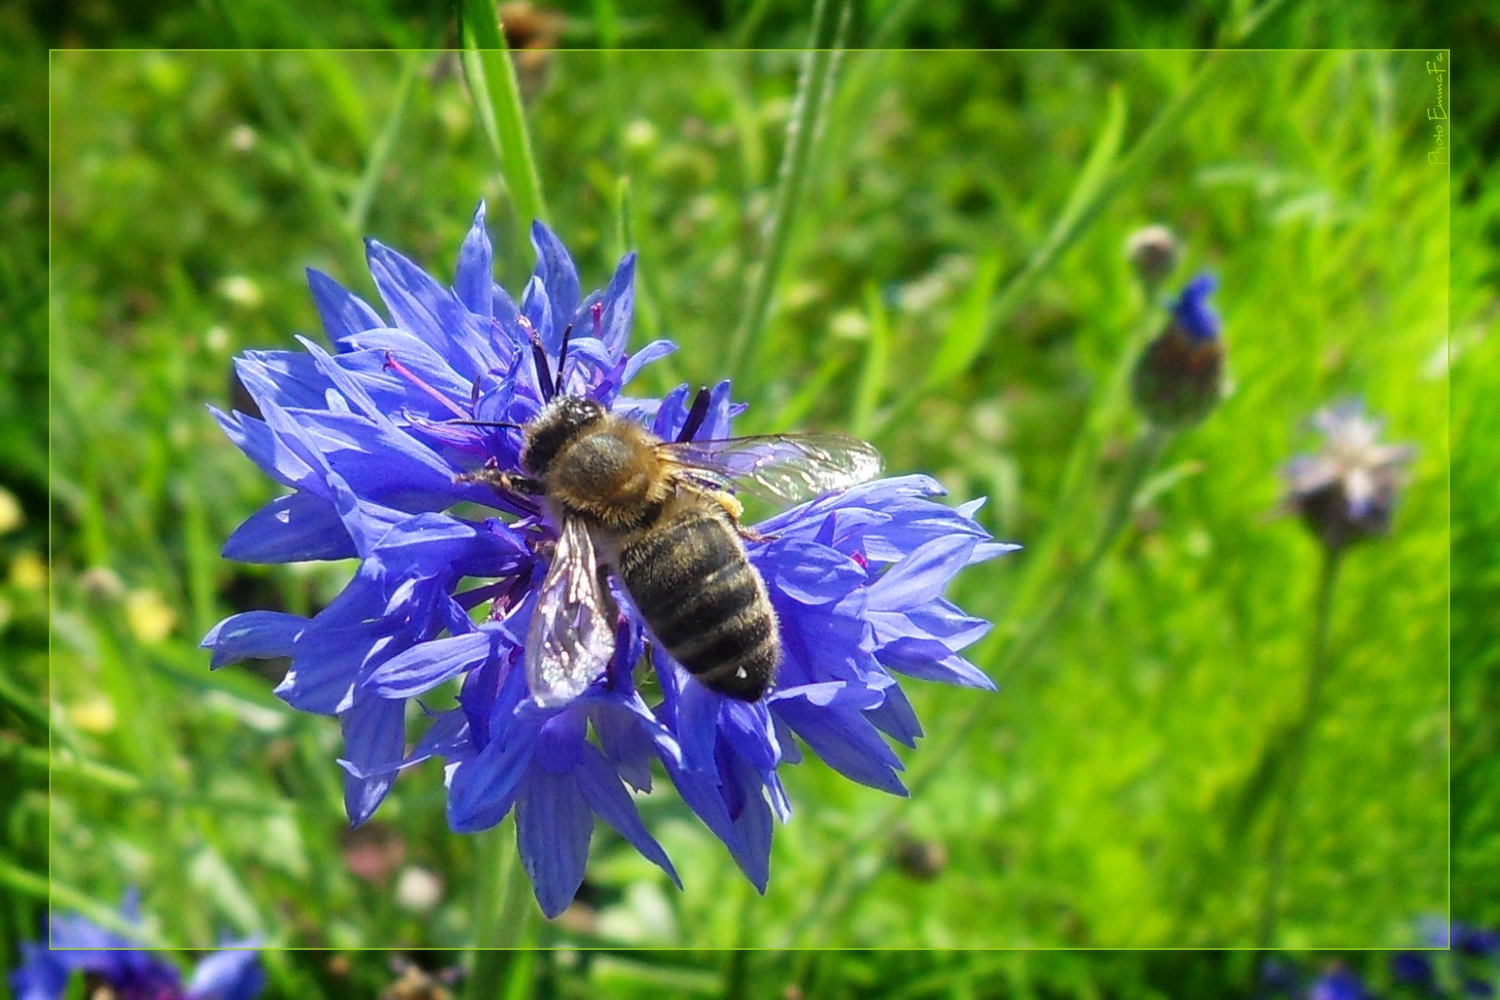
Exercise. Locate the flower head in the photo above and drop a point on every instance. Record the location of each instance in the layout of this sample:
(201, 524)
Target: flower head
(407, 418)
(1413, 967)
(1179, 376)
(129, 972)
(1338, 983)
(1153, 252)
(1347, 490)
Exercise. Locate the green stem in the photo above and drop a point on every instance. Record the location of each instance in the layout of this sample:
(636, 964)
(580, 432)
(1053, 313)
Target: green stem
(1075, 482)
(1297, 741)
(497, 94)
(65, 899)
(1144, 455)
(502, 913)
(813, 87)
(833, 899)
(24, 703)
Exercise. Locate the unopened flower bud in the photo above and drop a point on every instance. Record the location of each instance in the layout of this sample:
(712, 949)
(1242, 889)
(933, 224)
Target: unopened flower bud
(1179, 376)
(1153, 253)
(1346, 491)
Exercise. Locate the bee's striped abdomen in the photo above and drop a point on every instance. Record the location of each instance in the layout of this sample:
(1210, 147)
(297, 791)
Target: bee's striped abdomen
(692, 583)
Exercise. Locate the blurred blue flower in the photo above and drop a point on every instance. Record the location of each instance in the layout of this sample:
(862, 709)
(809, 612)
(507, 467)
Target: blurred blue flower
(1476, 941)
(1338, 984)
(129, 972)
(1178, 378)
(367, 440)
(1192, 314)
(1414, 968)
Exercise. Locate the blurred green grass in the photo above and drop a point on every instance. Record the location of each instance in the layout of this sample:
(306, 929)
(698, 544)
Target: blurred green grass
(1093, 805)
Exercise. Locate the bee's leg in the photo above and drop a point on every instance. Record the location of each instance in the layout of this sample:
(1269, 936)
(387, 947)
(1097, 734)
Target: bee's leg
(736, 510)
(506, 482)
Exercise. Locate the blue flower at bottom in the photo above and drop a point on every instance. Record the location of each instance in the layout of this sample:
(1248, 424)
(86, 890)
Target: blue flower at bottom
(378, 442)
(129, 972)
(1338, 984)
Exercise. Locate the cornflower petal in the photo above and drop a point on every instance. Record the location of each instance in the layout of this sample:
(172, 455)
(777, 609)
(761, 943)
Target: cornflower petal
(227, 975)
(120, 967)
(555, 273)
(473, 277)
(343, 313)
(296, 527)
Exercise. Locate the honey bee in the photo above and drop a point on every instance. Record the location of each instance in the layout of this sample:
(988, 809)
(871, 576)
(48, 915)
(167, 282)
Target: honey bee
(663, 519)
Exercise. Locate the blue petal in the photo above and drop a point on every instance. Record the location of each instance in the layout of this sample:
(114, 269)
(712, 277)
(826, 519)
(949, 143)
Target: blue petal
(833, 726)
(264, 447)
(374, 738)
(558, 275)
(553, 827)
(428, 664)
(227, 975)
(1192, 312)
(474, 277)
(895, 717)
(296, 527)
(421, 306)
(287, 378)
(482, 790)
(331, 651)
(806, 572)
(753, 825)
(537, 310)
(653, 351)
(42, 975)
(606, 795)
(747, 728)
(921, 576)
(252, 635)
(342, 311)
(617, 307)
(931, 660)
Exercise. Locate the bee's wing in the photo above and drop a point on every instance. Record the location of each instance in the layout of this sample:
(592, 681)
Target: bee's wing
(783, 467)
(571, 638)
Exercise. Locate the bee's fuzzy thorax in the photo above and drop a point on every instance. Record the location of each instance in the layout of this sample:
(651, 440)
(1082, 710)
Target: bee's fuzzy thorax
(555, 426)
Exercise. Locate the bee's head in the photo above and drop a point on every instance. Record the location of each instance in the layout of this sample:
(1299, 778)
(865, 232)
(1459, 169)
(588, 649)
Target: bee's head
(563, 419)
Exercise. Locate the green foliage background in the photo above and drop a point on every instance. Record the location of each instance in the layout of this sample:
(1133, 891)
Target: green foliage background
(1096, 803)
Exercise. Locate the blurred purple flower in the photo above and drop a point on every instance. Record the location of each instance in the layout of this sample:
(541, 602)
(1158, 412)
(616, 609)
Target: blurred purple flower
(129, 972)
(1338, 984)
(1347, 490)
(366, 439)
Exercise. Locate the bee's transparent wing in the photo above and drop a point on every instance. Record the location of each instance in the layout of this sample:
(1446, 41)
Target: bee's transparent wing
(571, 637)
(783, 467)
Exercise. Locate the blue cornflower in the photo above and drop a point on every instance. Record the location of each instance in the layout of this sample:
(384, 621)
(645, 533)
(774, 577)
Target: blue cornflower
(1479, 942)
(1178, 378)
(1338, 983)
(1415, 968)
(377, 441)
(129, 972)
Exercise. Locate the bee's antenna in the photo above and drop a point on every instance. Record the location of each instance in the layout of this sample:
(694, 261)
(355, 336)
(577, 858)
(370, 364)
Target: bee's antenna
(562, 360)
(696, 415)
